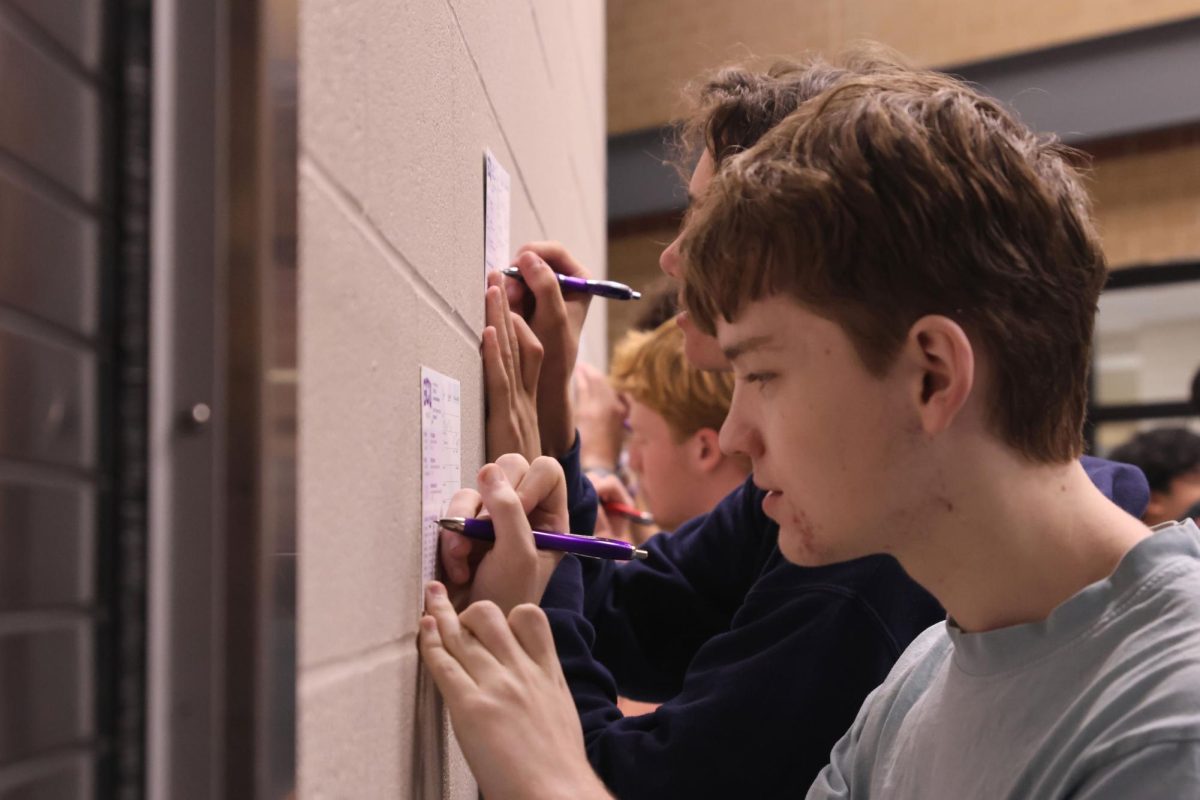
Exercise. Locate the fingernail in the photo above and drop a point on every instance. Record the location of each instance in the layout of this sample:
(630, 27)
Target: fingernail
(434, 588)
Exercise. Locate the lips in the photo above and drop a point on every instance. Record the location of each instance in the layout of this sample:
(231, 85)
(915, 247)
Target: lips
(771, 501)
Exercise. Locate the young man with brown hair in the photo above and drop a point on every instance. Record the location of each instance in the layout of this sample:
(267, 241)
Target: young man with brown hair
(918, 277)
(904, 280)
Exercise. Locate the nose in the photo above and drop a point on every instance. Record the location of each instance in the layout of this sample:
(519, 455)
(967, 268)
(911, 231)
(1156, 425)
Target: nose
(738, 435)
(669, 260)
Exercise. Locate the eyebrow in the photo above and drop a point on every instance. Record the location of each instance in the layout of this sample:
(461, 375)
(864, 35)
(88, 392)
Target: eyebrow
(739, 349)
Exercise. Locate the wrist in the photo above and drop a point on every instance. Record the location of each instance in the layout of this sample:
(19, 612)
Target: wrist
(558, 435)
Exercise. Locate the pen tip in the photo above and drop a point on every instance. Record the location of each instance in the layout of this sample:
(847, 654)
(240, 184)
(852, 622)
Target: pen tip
(640, 554)
(637, 296)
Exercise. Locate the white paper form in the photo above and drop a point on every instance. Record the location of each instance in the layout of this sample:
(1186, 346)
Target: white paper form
(441, 459)
(497, 211)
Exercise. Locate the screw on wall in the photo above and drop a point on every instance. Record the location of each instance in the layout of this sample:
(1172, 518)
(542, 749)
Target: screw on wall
(195, 419)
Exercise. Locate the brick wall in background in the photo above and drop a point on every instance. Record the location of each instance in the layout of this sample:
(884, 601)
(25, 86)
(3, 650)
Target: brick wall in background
(633, 259)
(657, 45)
(1147, 194)
(398, 102)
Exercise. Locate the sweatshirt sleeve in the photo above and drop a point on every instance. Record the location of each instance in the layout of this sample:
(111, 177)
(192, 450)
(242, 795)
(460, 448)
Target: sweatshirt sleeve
(650, 617)
(581, 495)
(758, 712)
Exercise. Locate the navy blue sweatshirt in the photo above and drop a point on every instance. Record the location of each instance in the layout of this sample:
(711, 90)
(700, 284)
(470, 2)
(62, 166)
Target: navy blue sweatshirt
(760, 665)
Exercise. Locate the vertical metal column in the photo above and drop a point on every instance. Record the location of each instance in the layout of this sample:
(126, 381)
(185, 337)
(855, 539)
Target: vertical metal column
(185, 755)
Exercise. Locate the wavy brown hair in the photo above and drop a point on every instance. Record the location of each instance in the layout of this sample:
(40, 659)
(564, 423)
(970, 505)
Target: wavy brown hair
(729, 109)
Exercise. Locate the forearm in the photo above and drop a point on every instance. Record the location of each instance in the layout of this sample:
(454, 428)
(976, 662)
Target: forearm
(556, 415)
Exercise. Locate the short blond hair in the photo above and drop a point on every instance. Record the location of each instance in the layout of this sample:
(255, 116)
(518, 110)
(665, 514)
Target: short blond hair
(652, 369)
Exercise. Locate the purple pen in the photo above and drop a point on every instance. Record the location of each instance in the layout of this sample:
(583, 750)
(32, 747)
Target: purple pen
(610, 289)
(590, 546)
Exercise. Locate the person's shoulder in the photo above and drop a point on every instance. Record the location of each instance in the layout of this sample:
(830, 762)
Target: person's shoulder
(1152, 677)
(1171, 557)
(914, 670)
(929, 650)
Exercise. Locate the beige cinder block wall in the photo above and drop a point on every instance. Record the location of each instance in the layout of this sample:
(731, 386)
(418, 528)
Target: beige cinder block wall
(399, 98)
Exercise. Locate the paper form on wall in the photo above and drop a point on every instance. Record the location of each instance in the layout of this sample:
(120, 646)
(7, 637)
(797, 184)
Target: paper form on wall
(441, 459)
(496, 214)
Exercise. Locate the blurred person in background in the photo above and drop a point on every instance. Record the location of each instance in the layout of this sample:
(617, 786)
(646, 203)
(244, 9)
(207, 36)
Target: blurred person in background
(600, 413)
(675, 413)
(1170, 457)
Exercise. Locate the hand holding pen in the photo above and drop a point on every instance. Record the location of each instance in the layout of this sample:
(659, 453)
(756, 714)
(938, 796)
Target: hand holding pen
(610, 289)
(556, 319)
(518, 496)
(580, 545)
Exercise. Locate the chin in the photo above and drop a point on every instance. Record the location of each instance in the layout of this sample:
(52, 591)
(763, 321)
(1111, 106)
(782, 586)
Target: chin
(800, 551)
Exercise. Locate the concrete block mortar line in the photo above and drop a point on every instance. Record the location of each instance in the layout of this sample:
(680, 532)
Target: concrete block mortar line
(316, 677)
(356, 215)
(516, 164)
(537, 29)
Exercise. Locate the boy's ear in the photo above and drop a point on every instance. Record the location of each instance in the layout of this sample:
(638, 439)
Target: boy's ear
(944, 362)
(706, 449)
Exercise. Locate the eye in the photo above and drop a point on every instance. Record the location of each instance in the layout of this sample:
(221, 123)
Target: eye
(759, 377)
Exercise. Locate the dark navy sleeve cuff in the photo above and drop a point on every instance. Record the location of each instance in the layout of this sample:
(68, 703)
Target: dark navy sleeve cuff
(581, 495)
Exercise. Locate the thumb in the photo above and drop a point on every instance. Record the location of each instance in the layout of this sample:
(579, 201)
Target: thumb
(514, 539)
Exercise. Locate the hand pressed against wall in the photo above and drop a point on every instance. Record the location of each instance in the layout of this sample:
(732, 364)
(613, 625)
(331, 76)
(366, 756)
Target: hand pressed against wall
(556, 321)
(512, 712)
(512, 362)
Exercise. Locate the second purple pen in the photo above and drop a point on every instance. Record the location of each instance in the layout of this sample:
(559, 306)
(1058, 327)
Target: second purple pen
(610, 289)
(590, 546)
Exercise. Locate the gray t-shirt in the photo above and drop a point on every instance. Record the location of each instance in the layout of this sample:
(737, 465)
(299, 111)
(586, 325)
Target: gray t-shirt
(1099, 700)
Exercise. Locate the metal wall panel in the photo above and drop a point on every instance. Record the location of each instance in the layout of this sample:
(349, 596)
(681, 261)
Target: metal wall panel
(47, 401)
(47, 545)
(46, 685)
(51, 118)
(68, 778)
(76, 25)
(70, 609)
(51, 263)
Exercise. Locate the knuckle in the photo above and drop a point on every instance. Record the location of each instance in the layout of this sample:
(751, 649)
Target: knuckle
(525, 616)
(514, 461)
(481, 613)
(548, 464)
